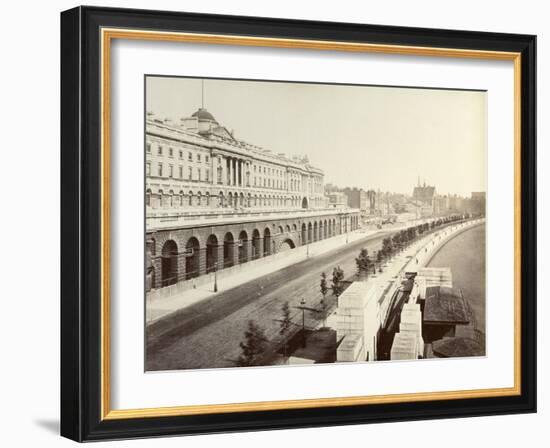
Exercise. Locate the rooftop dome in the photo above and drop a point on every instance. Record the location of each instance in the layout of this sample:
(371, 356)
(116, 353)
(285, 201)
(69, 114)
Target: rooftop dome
(203, 114)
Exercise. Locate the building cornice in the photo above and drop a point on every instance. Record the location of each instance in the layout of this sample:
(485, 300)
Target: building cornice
(243, 150)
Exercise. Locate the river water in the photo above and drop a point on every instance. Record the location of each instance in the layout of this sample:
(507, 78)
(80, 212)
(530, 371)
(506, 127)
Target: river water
(465, 255)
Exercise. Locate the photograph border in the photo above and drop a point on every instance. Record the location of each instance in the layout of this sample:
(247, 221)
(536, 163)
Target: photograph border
(86, 37)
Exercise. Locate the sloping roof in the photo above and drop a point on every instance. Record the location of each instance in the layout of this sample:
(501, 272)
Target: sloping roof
(424, 194)
(445, 305)
(457, 347)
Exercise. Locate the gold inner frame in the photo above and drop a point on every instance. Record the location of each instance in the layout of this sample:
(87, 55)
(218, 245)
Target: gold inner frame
(107, 35)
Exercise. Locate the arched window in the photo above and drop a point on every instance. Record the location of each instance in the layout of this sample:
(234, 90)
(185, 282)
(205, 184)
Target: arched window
(207, 199)
(199, 197)
(160, 194)
(148, 198)
(190, 198)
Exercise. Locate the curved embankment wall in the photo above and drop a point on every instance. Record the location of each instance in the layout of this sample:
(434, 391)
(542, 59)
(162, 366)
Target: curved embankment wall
(452, 236)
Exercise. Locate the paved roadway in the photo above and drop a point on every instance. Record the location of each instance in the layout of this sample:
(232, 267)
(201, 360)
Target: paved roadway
(207, 334)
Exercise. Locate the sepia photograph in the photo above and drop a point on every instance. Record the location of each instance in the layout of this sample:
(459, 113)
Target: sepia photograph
(292, 223)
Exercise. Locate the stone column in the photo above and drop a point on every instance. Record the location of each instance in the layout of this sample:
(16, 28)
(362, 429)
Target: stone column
(247, 250)
(259, 250)
(220, 256)
(181, 266)
(235, 253)
(229, 173)
(239, 172)
(157, 280)
(202, 261)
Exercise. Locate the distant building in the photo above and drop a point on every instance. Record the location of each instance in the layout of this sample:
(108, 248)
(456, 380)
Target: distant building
(457, 203)
(441, 205)
(477, 203)
(424, 194)
(337, 199)
(372, 201)
(424, 199)
(357, 198)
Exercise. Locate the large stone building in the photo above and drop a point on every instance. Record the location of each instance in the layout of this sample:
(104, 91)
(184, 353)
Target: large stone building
(424, 194)
(214, 201)
(424, 199)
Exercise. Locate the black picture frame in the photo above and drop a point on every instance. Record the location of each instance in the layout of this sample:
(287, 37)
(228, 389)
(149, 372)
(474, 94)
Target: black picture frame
(81, 224)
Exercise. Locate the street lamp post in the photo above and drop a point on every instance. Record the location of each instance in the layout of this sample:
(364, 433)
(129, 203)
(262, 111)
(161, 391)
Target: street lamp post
(216, 276)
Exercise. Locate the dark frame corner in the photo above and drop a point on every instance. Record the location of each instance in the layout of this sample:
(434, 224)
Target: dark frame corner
(81, 226)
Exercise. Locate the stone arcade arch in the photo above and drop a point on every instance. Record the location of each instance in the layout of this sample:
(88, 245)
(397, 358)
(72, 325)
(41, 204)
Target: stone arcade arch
(211, 253)
(304, 234)
(256, 244)
(315, 232)
(228, 250)
(243, 247)
(286, 244)
(192, 258)
(267, 242)
(169, 263)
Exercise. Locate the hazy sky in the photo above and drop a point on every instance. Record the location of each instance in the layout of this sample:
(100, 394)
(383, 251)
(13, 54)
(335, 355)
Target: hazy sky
(371, 137)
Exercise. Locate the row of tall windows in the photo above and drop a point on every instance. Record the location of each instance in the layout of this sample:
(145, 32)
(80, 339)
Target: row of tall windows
(201, 175)
(191, 157)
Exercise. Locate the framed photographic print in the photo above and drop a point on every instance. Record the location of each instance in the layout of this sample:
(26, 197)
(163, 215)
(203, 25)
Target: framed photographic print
(273, 223)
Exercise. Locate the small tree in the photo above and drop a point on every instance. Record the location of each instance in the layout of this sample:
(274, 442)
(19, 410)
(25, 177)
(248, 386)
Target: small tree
(396, 241)
(337, 278)
(323, 285)
(286, 322)
(387, 247)
(254, 344)
(363, 263)
(324, 289)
